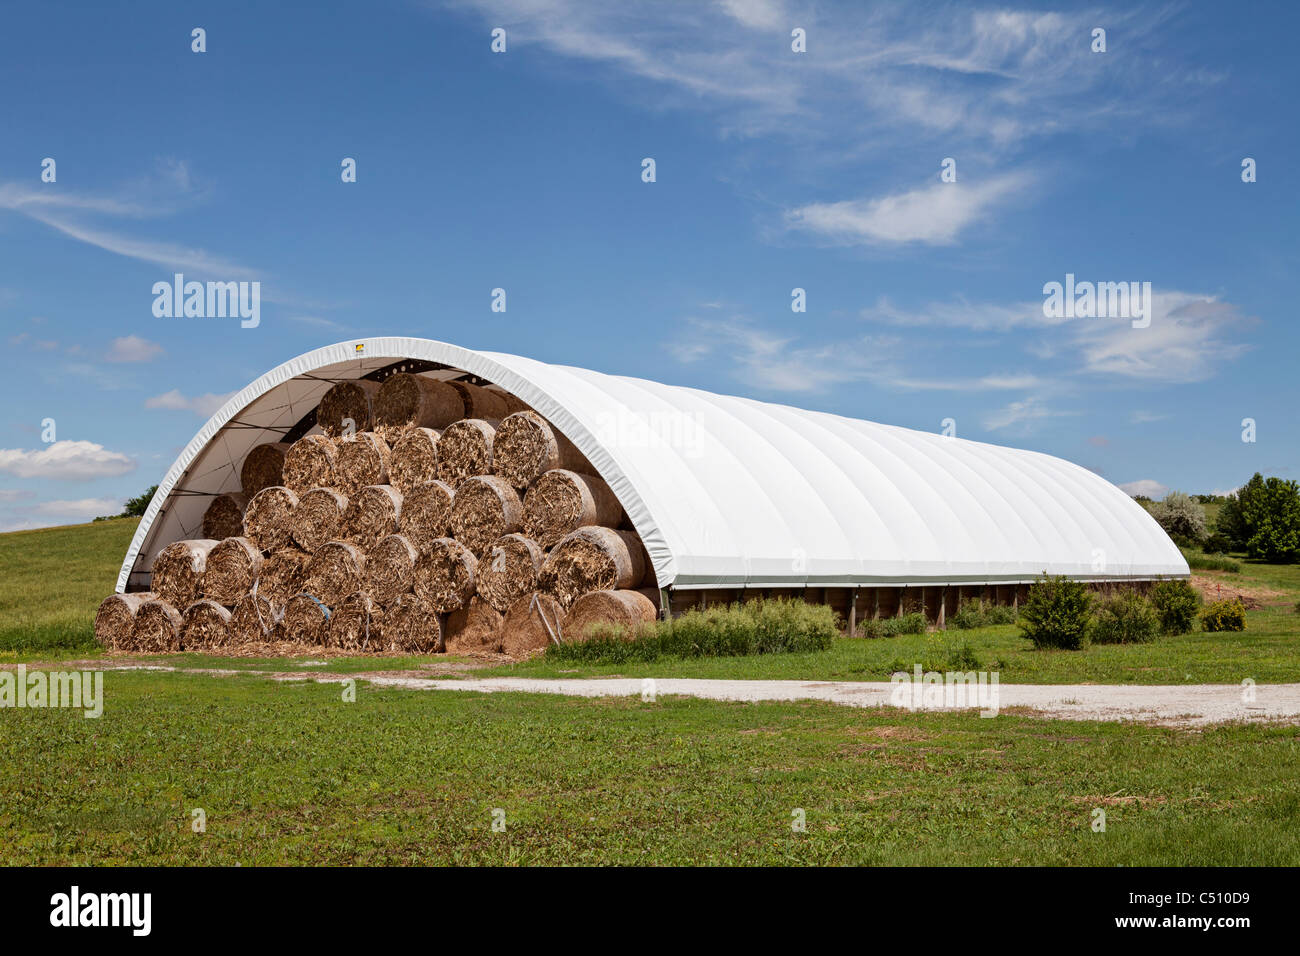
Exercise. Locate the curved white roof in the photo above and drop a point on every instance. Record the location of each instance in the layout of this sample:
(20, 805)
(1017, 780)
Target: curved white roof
(729, 492)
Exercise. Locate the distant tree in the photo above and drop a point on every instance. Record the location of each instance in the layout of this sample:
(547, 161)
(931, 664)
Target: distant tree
(1271, 515)
(135, 507)
(1182, 518)
(1231, 522)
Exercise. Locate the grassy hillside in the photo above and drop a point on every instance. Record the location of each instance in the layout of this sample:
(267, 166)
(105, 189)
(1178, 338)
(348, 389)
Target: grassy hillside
(52, 579)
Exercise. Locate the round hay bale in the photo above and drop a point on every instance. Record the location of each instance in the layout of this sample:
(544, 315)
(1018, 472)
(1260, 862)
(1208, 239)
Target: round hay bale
(319, 517)
(485, 508)
(465, 450)
(533, 623)
(156, 628)
(224, 516)
(360, 460)
(508, 570)
(390, 568)
(373, 513)
(444, 575)
(474, 629)
(414, 459)
(480, 402)
(306, 620)
(625, 610)
(426, 513)
(255, 620)
(233, 566)
(406, 400)
(309, 463)
(205, 625)
(263, 467)
(562, 501)
(593, 559)
(526, 447)
(178, 571)
(116, 617)
(268, 522)
(335, 571)
(283, 574)
(357, 624)
(515, 404)
(411, 625)
(347, 408)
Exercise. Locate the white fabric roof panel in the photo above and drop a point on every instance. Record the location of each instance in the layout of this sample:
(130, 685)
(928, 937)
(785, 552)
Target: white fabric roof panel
(730, 492)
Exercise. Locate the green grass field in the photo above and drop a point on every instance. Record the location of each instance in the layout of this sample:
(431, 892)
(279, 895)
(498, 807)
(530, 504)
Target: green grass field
(292, 774)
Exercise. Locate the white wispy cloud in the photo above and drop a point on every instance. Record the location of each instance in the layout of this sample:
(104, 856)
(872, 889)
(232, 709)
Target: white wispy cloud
(132, 348)
(202, 405)
(1147, 487)
(69, 460)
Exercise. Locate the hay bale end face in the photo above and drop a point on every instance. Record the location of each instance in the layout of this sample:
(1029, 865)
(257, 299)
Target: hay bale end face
(357, 624)
(508, 570)
(335, 571)
(305, 620)
(282, 575)
(319, 517)
(255, 620)
(562, 501)
(224, 517)
(526, 447)
(373, 513)
(445, 575)
(178, 571)
(390, 568)
(156, 628)
(465, 450)
(205, 625)
(407, 401)
(426, 513)
(414, 459)
(624, 610)
(309, 463)
(360, 460)
(593, 559)
(268, 522)
(486, 507)
(116, 617)
(232, 567)
(533, 623)
(474, 629)
(262, 468)
(411, 626)
(347, 408)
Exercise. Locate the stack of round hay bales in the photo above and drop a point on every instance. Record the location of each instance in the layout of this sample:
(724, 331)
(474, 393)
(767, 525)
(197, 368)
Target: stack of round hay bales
(423, 516)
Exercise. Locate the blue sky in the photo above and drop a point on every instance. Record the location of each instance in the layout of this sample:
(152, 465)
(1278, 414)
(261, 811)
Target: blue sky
(775, 170)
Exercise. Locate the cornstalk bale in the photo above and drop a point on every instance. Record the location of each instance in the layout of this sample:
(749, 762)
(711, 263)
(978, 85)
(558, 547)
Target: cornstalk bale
(444, 575)
(485, 508)
(625, 610)
(156, 628)
(224, 517)
(414, 459)
(335, 571)
(205, 624)
(530, 622)
(508, 570)
(562, 501)
(283, 574)
(233, 566)
(411, 625)
(357, 624)
(255, 620)
(426, 513)
(268, 522)
(305, 620)
(515, 404)
(390, 568)
(593, 559)
(474, 629)
(309, 463)
(526, 447)
(480, 402)
(362, 460)
(407, 400)
(319, 517)
(347, 408)
(178, 571)
(373, 513)
(262, 468)
(116, 617)
(465, 450)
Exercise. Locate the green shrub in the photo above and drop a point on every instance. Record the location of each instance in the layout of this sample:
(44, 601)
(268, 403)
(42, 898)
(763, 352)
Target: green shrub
(1177, 603)
(1211, 562)
(913, 623)
(1217, 543)
(757, 627)
(972, 614)
(1127, 618)
(1224, 616)
(1182, 518)
(1056, 613)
